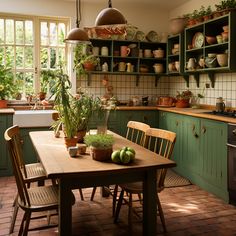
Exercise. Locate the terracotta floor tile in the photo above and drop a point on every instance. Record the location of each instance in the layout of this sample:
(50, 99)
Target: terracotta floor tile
(188, 211)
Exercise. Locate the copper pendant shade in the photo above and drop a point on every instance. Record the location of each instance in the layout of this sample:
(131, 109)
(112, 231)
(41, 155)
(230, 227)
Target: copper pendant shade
(77, 35)
(110, 16)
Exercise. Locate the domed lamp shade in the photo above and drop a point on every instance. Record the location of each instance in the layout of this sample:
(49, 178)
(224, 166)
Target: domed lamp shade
(77, 35)
(110, 16)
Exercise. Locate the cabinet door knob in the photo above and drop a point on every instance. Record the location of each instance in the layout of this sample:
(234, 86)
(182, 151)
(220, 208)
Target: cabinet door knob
(196, 135)
(203, 130)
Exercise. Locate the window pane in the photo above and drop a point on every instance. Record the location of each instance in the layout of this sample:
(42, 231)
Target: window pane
(10, 56)
(61, 54)
(10, 31)
(52, 58)
(44, 33)
(20, 81)
(29, 83)
(61, 33)
(19, 32)
(53, 34)
(19, 57)
(1, 55)
(1, 31)
(29, 59)
(44, 57)
(29, 32)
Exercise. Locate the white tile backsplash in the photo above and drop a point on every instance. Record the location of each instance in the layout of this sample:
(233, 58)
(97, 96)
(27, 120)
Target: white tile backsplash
(124, 86)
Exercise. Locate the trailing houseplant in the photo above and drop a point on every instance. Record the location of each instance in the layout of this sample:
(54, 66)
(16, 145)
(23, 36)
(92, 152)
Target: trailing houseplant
(100, 146)
(84, 60)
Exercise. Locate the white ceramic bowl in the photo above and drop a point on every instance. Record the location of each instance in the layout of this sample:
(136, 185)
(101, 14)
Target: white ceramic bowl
(222, 59)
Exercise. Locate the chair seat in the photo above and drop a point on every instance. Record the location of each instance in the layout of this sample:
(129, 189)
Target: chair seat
(34, 171)
(135, 187)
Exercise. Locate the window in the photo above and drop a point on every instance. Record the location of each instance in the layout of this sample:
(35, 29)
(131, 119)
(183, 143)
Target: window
(31, 44)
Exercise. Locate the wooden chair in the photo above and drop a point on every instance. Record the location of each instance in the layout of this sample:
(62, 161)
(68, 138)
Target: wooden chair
(30, 172)
(135, 133)
(161, 142)
(30, 200)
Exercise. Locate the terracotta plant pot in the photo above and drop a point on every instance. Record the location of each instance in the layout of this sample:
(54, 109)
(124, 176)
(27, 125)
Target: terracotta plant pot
(3, 103)
(182, 103)
(71, 142)
(100, 154)
(42, 96)
(81, 134)
(177, 25)
(89, 66)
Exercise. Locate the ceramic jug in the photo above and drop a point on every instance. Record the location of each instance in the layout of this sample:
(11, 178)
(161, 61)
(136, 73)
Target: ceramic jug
(220, 105)
(191, 64)
(122, 66)
(130, 67)
(124, 51)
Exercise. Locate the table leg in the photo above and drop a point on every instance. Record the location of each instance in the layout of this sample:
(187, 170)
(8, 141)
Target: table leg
(65, 209)
(150, 203)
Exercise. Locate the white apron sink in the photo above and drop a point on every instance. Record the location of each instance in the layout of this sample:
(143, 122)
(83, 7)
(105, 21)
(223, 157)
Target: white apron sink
(33, 118)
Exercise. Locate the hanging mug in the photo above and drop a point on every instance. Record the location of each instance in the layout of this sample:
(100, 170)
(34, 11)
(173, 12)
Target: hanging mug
(124, 51)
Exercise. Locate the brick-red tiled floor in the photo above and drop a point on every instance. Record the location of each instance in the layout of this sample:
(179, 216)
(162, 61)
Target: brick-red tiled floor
(188, 211)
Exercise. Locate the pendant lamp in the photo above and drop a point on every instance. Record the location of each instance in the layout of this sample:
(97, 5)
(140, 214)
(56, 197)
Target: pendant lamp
(77, 35)
(110, 16)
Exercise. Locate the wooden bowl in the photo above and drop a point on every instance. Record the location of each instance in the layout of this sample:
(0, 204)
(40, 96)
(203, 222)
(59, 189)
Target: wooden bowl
(211, 39)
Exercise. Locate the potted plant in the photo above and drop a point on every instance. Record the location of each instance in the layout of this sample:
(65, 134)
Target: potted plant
(225, 6)
(84, 106)
(84, 60)
(62, 104)
(100, 146)
(182, 99)
(7, 84)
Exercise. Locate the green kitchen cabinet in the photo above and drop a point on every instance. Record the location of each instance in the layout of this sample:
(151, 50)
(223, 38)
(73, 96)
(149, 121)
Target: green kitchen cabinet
(213, 148)
(6, 121)
(29, 153)
(123, 117)
(200, 150)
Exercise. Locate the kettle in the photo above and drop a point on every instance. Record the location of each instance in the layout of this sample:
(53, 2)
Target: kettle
(220, 105)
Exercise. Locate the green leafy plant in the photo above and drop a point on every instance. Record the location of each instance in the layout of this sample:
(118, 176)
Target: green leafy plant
(83, 54)
(226, 4)
(187, 94)
(99, 141)
(7, 84)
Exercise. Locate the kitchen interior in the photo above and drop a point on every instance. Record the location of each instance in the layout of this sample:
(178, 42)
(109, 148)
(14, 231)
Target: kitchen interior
(205, 146)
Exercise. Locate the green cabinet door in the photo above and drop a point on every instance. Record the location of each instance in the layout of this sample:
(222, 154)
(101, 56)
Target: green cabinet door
(190, 143)
(124, 116)
(6, 121)
(214, 156)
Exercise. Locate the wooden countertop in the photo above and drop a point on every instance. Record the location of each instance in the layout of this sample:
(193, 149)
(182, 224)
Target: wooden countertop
(7, 111)
(184, 111)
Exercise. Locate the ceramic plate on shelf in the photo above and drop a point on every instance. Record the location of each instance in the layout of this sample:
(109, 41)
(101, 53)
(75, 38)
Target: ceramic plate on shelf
(140, 36)
(198, 40)
(152, 36)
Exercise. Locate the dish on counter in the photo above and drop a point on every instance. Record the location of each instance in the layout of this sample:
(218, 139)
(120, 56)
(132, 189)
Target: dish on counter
(198, 40)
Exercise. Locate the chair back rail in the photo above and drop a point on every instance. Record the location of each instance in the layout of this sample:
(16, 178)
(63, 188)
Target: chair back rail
(12, 137)
(161, 142)
(136, 131)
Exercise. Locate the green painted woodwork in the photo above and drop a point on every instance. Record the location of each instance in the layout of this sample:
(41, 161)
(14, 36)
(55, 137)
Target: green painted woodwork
(5, 122)
(200, 150)
(29, 153)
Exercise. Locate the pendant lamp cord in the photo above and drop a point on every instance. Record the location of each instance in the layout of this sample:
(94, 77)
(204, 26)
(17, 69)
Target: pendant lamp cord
(109, 4)
(78, 13)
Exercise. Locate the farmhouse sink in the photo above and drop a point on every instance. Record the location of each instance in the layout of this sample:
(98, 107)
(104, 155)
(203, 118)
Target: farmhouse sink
(33, 118)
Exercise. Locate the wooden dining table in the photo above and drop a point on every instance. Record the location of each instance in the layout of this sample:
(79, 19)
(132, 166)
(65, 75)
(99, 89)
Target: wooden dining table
(83, 171)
